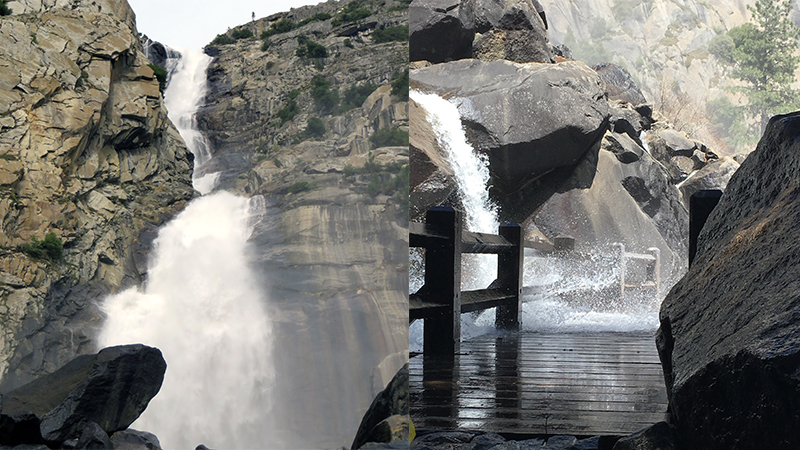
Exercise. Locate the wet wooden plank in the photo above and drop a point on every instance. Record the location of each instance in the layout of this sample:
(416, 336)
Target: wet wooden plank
(582, 384)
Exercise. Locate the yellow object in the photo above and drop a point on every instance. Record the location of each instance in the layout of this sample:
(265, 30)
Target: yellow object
(411, 433)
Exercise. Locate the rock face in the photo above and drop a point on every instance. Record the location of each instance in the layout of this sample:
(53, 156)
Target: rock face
(498, 102)
(729, 338)
(88, 399)
(439, 31)
(386, 419)
(86, 153)
(332, 249)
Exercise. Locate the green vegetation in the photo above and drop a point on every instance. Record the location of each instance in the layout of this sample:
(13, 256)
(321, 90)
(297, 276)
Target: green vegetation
(389, 137)
(315, 127)
(265, 46)
(389, 179)
(351, 13)
(397, 33)
(764, 60)
(348, 43)
(355, 95)
(242, 33)
(160, 74)
(50, 248)
(310, 49)
(281, 26)
(270, 64)
(728, 121)
(318, 17)
(223, 39)
(722, 47)
(291, 109)
(4, 10)
(400, 86)
(325, 97)
(300, 186)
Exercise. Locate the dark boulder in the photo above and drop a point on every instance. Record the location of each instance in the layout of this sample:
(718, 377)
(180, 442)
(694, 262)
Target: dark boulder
(713, 175)
(135, 440)
(619, 84)
(513, 30)
(655, 437)
(729, 339)
(388, 404)
(529, 118)
(110, 388)
(438, 32)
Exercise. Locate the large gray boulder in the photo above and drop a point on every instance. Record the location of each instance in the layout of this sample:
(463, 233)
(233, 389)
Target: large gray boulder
(386, 420)
(729, 339)
(514, 30)
(620, 194)
(438, 31)
(110, 389)
(713, 175)
(529, 118)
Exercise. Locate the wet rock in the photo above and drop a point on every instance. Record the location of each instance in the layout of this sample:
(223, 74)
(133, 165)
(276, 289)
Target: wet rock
(560, 443)
(109, 389)
(713, 175)
(438, 31)
(592, 443)
(497, 100)
(135, 440)
(93, 437)
(386, 420)
(728, 340)
(656, 437)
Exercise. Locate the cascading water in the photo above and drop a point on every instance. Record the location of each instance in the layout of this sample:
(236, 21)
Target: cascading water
(544, 311)
(202, 306)
(187, 88)
(471, 171)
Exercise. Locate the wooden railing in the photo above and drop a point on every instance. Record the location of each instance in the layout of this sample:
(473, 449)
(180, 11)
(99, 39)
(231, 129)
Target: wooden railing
(440, 302)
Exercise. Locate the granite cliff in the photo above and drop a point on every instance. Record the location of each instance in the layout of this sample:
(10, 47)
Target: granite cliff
(89, 167)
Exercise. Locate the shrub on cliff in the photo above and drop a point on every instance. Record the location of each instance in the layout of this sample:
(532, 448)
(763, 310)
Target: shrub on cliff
(398, 33)
(281, 26)
(325, 97)
(315, 127)
(400, 86)
(50, 248)
(242, 33)
(389, 137)
(351, 13)
(310, 49)
(355, 95)
(318, 17)
(161, 75)
(223, 39)
(4, 11)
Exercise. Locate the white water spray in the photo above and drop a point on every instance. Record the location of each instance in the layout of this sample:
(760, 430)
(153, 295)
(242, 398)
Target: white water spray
(187, 89)
(471, 171)
(202, 306)
(202, 309)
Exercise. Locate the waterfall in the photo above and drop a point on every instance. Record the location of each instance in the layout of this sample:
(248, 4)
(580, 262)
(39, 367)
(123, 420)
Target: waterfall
(202, 309)
(187, 89)
(471, 172)
(202, 305)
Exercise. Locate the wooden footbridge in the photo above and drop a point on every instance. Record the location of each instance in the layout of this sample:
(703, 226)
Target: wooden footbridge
(521, 383)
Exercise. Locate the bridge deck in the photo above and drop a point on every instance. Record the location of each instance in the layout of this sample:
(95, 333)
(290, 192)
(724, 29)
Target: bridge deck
(582, 384)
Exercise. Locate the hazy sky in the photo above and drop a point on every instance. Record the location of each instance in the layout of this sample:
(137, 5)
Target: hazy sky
(193, 24)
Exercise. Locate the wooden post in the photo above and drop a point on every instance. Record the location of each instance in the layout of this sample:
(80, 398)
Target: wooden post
(509, 277)
(443, 283)
(701, 203)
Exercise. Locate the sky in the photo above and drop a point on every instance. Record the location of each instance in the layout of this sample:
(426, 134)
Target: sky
(192, 24)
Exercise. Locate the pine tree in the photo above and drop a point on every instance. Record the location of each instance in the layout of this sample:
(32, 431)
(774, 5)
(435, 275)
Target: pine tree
(764, 59)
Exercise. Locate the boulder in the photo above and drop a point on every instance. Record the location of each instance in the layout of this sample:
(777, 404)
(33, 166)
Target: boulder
(386, 420)
(619, 194)
(529, 118)
(513, 30)
(438, 32)
(135, 440)
(110, 389)
(655, 437)
(619, 84)
(713, 175)
(729, 339)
